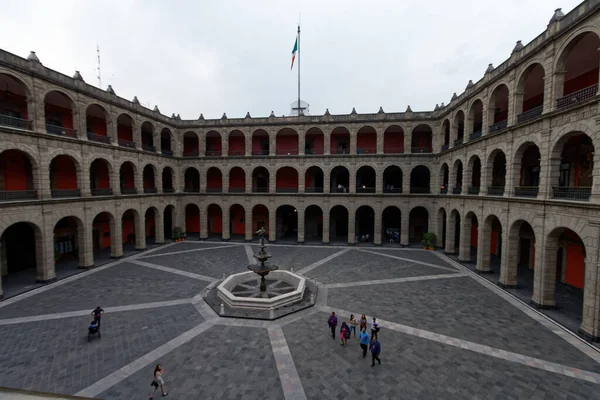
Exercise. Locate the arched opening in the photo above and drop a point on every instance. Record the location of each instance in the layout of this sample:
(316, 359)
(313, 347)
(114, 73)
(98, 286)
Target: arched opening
(575, 168)
(168, 219)
(286, 180)
(339, 180)
(518, 270)
(366, 140)
(127, 178)
(576, 76)
(457, 172)
(21, 257)
(340, 141)
(237, 180)
(95, 124)
(191, 180)
(102, 233)
(125, 131)
(470, 232)
(191, 145)
(313, 224)
(364, 225)
(214, 180)
(100, 178)
(491, 246)
(287, 223)
(441, 241)
(129, 222)
(421, 139)
(192, 221)
(237, 143)
(215, 221)
(474, 168)
(149, 181)
(165, 142)
(418, 225)
(314, 142)
(392, 179)
(286, 142)
(527, 161)
(260, 218)
(260, 180)
(313, 180)
(68, 243)
(454, 225)
(459, 128)
(498, 109)
(63, 177)
(260, 143)
(16, 176)
(148, 137)
(237, 222)
(150, 225)
(529, 99)
(58, 111)
(446, 133)
(476, 119)
(393, 140)
(213, 144)
(365, 180)
(338, 224)
(445, 175)
(391, 224)
(419, 180)
(496, 172)
(13, 103)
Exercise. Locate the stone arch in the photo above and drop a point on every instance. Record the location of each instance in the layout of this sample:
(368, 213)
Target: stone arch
(339, 223)
(490, 243)
(286, 179)
(313, 223)
(418, 224)
(445, 178)
(577, 150)
(21, 237)
(475, 120)
(458, 127)
(20, 172)
(529, 96)
(69, 241)
(66, 175)
(496, 172)
(473, 175)
(391, 224)
(314, 179)
(237, 220)
(420, 180)
(101, 173)
(498, 107)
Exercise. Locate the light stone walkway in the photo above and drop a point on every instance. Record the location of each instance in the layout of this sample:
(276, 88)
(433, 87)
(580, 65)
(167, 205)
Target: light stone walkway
(174, 271)
(321, 262)
(290, 380)
(409, 260)
(189, 251)
(394, 280)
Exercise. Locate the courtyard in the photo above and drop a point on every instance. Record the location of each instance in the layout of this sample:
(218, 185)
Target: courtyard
(445, 332)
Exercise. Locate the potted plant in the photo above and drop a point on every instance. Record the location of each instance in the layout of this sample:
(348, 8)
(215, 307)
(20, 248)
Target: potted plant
(178, 234)
(429, 240)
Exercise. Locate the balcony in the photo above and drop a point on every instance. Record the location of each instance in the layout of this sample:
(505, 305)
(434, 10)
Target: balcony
(287, 152)
(260, 189)
(421, 149)
(260, 152)
(495, 191)
(167, 152)
(61, 131)
(286, 190)
(577, 97)
(150, 190)
(11, 195)
(212, 153)
(313, 190)
(148, 147)
(366, 150)
(572, 193)
(101, 192)
(475, 135)
(191, 154)
(66, 192)
(339, 190)
(236, 152)
(393, 150)
(98, 138)
(365, 190)
(530, 114)
(214, 190)
(527, 191)
(456, 190)
(445, 147)
(497, 127)
(126, 143)
(340, 151)
(392, 190)
(473, 190)
(13, 122)
(444, 190)
(187, 190)
(169, 190)
(458, 141)
(125, 190)
(237, 190)
(419, 190)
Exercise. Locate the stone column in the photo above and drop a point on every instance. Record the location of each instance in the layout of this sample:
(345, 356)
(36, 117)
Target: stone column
(408, 140)
(301, 180)
(140, 232)
(404, 227)
(325, 228)
(86, 246)
(156, 139)
(201, 143)
(406, 179)
(83, 181)
(44, 253)
(352, 180)
(272, 223)
(558, 89)
(509, 190)
(301, 141)
(224, 143)
(138, 178)
(544, 277)
(248, 228)
(595, 196)
(353, 141)
(272, 143)
(326, 181)
(464, 247)
(158, 181)
(438, 226)
(111, 128)
(226, 234)
(203, 222)
(115, 180)
(248, 180)
(547, 88)
(116, 238)
(509, 264)
(483, 251)
(379, 183)
(300, 209)
(248, 144)
(377, 227)
(485, 122)
(379, 136)
(450, 231)
(518, 104)
(225, 183)
(351, 226)
(326, 141)
(159, 228)
(590, 324)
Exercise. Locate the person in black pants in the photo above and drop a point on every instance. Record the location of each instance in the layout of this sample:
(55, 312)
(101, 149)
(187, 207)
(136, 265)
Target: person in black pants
(97, 313)
(332, 322)
(375, 350)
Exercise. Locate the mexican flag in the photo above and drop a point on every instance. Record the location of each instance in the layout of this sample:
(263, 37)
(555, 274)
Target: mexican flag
(294, 52)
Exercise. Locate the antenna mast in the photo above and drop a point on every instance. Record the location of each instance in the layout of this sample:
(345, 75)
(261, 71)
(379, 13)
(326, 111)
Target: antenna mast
(99, 76)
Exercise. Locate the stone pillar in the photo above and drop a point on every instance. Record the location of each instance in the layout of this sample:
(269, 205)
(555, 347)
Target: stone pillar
(544, 277)
(438, 226)
(558, 89)
(300, 213)
(248, 228)
(272, 143)
(201, 143)
(225, 183)
(509, 190)
(115, 180)
(483, 251)
(226, 231)
(451, 178)
(379, 183)
(518, 104)
(158, 181)
(377, 227)
(272, 181)
(326, 181)
(203, 223)
(509, 263)
(450, 232)
(485, 121)
(550, 178)
(86, 246)
(33, 110)
(156, 139)
(248, 144)
(595, 196)
(548, 103)
(140, 232)
(139, 179)
(111, 130)
(224, 143)
(590, 324)
(352, 180)
(379, 136)
(351, 226)
(116, 237)
(406, 179)
(404, 226)
(408, 141)
(83, 181)
(464, 247)
(272, 223)
(353, 141)
(159, 228)
(301, 141)
(301, 180)
(325, 228)
(326, 142)
(44, 253)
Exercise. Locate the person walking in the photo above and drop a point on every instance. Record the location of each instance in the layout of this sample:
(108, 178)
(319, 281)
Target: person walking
(344, 334)
(97, 313)
(374, 327)
(363, 322)
(158, 381)
(353, 322)
(332, 322)
(363, 339)
(375, 350)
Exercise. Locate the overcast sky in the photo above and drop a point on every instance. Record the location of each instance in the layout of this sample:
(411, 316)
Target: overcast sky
(210, 57)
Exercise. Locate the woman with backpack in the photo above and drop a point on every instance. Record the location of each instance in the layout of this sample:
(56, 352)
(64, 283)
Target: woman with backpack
(344, 334)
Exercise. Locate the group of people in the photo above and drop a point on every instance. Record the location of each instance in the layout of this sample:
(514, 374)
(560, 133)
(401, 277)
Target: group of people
(348, 330)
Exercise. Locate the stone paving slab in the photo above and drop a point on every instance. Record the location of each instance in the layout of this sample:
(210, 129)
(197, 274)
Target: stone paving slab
(120, 285)
(55, 355)
(189, 245)
(211, 263)
(415, 368)
(297, 257)
(427, 256)
(464, 309)
(225, 362)
(356, 266)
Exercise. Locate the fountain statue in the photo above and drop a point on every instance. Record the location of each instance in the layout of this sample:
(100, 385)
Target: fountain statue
(262, 256)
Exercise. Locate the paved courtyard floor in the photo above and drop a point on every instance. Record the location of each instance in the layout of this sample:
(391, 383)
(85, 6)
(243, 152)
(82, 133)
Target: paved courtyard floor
(445, 332)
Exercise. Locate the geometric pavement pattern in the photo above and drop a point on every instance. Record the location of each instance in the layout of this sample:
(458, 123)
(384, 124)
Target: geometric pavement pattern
(445, 332)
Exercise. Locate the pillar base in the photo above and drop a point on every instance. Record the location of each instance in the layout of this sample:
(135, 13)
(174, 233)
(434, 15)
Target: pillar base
(449, 253)
(45, 280)
(1, 296)
(140, 249)
(542, 306)
(351, 244)
(377, 244)
(506, 286)
(489, 271)
(327, 243)
(582, 333)
(300, 242)
(272, 241)
(247, 240)
(202, 238)
(465, 261)
(225, 239)
(86, 266)
(116, 257)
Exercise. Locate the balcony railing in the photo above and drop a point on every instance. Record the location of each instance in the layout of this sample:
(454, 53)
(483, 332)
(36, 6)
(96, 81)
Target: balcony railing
(212, 153)
(169, 190)
(189, 190)
(125, 190)
(572, 193)
(342, 190)
(365, 190)
(456, 190)
(66, 192)
(366, 150)
(286, 190)
(150, 190)
(526, 191)
(530, 114)
(578, 96)
(313, 190)
(148, 147)
(499, 126)
(191, 154)
(459, 141)
(98, 138)
(286, 152)
(236, 152)
(214, 190)
(260, 189)
(102, 192)
(392, 190)
(260, 152)
(421, 149)
(167, 152)
(473, 190)
(475, 135)
(10, 195)
(393, 150)
(127, 143)
(339, 151)
(445, 147)
(419, 190)
(13, 122)
(495, 190)
(237, 190)
(444, 190)
(59, 130)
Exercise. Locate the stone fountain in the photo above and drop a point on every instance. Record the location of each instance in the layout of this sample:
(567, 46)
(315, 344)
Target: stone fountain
(262, 256)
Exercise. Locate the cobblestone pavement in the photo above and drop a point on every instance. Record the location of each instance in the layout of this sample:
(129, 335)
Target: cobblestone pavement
(445, 334)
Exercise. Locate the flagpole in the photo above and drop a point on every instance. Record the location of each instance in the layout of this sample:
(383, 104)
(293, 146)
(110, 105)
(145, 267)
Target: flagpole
(299, 109)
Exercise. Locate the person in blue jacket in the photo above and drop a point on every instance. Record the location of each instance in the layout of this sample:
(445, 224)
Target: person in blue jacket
(375, 350)
(363, 338)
